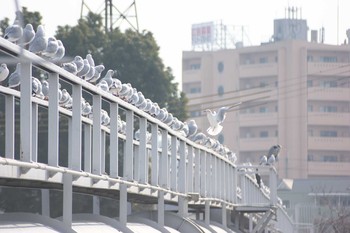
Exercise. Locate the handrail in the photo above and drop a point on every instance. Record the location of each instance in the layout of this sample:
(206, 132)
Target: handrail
(187, 168)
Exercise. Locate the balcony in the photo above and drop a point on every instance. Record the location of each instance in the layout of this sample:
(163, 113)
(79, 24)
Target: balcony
(326, 69)
(329, 94)
(329, 118)
(329, 143)
(328, 168)
(258, 119)
(256, 144)
(258, 70)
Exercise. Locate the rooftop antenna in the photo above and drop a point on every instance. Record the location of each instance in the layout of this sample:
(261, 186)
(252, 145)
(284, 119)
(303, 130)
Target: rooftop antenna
(125, 12)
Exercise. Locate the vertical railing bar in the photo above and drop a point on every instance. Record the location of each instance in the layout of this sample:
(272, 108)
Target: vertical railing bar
(34, 132)
(114, 141)
(173, 162)
(234, 184)
(129, 145)
(190, 169)
(154, 167)
(76, 128)
(203, 173)
(208, 175)
(197, 170)
(143, 156)
(182, 168)
(53, 121)
(87, 147)
(26, 111)
(10, 127)
(96, 135)
(103, 152)
(163, 170)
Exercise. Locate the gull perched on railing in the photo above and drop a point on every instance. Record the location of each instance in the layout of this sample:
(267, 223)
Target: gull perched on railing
(37, 88)
(39, 43)
(4, 72)
(85, 69)
(108, 78)
(13, 32)
(275, 151)
(61, 50)
(216, 118)
(45, 89)
(51, 48)
(192, 128)
(14, 79)
(28, 35)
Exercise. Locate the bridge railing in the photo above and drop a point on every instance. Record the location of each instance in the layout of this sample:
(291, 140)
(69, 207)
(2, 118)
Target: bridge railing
(44, 134)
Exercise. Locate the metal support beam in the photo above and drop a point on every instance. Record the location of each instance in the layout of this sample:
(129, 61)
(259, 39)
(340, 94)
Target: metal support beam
(26, 111)
(114, 141)
(207, 212)
(161, 208)
(10, 127)
(53, 130)
(123, 204)
(67, 199)
(263, 221)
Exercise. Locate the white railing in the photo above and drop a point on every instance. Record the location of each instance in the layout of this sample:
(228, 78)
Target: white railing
(159, 159)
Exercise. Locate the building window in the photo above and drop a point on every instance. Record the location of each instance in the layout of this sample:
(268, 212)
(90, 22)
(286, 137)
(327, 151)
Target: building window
(310, 157)
(220, 67)
(328, 109)
(220, 90)
(328, 133)
(329, 84)
(263, 84)
(195, 66)
(263, 109)
(195, 113)
(310, 108)
(330, 158)
(310, 58)
(309, 83)
(263, 60)
(264, 134)
(328, 59)
(194, 90)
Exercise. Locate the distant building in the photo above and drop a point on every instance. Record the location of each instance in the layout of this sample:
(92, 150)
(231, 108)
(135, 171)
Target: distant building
(317, 205)
(294, 92)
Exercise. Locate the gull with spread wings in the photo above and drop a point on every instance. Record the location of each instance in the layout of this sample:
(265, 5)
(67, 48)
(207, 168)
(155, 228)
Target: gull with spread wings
(216, 118)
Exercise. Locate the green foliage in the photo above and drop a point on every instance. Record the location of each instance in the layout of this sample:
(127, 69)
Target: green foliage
(33, 18)
(134, 55)
(3, 25)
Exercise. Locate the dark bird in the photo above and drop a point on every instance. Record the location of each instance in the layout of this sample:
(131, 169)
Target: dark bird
(258, 178)
(274, 150)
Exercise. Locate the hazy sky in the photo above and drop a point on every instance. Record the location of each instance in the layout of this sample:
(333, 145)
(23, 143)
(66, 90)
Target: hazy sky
(170, 20)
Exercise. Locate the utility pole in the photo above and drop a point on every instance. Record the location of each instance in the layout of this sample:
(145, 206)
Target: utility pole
(114, 16)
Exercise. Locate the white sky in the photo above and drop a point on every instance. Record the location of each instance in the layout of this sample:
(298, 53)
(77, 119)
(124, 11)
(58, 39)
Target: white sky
(170, 21)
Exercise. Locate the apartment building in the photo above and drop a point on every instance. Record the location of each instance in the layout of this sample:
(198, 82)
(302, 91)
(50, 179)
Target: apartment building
(294, 92)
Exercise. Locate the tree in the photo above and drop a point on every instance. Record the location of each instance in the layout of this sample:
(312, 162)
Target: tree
(33, 18)
(134, 55)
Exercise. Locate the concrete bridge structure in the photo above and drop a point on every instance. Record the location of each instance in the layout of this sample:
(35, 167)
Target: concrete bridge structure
(168, 185)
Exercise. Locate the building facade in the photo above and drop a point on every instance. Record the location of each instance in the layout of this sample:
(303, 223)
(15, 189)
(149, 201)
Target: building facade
(294, 92)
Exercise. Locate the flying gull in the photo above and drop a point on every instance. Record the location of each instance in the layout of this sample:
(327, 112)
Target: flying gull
(216, 118)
